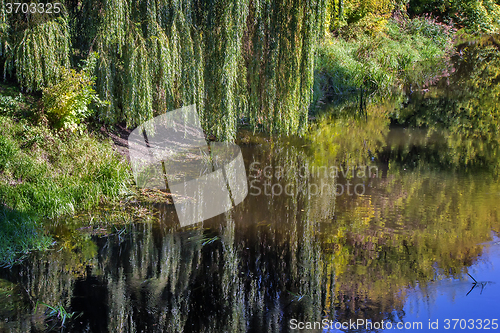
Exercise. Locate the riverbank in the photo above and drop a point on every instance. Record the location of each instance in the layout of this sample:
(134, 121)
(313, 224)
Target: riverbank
(46, 174)
(397, 54)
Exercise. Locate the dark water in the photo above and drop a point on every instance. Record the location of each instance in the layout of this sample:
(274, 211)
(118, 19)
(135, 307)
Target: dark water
(364, 220)
(397, 249)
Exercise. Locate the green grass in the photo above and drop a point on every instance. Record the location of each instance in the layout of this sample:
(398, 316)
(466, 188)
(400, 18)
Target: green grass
(56, 316)
(402, 53)
(19, 235)
(50, 174)
(45, 174)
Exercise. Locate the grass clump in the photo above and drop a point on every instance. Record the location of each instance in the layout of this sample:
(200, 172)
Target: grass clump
(19, 234)
(51, 174)
(401, 53)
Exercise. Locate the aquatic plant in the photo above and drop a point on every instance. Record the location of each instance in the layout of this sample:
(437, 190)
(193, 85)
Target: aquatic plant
(57, 315)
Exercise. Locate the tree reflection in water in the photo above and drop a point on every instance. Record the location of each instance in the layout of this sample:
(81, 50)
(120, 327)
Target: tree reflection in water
(425, 217)
(268, 261)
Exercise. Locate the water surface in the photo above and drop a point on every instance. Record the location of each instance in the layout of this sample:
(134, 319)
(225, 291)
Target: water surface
(386, 212)
(399, 249)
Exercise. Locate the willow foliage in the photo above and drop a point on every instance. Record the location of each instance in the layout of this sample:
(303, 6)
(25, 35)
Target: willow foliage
(35, 47)
(151, 64)
(281, 56)
(232, 58)
(225, 24)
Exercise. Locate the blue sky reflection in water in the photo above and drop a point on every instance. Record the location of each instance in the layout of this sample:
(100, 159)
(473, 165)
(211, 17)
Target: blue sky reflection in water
(455, 298)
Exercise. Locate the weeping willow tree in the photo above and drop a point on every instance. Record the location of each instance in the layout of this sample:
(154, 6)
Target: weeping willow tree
(150, 59)
(232, 58)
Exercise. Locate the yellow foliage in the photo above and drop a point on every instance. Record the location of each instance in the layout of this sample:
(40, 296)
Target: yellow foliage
(371, 15)
(365, 7)
(66, 102)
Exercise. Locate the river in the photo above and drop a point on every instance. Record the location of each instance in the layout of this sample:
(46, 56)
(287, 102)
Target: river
(372, 223)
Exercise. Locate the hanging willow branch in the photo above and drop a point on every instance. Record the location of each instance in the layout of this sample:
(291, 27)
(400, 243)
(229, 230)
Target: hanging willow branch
(281, 62)
(38, 54)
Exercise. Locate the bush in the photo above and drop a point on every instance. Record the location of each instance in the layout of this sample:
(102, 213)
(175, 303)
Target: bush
(67, 102)
(474, 15)
(356, 10)
(14, 104)
(440, 34)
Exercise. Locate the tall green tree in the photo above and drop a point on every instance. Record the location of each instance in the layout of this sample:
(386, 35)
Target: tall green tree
(232, 58)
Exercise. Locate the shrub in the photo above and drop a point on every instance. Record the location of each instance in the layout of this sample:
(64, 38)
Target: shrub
(427, 27)
(474, 15)
(67, 102)
(356, 10)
